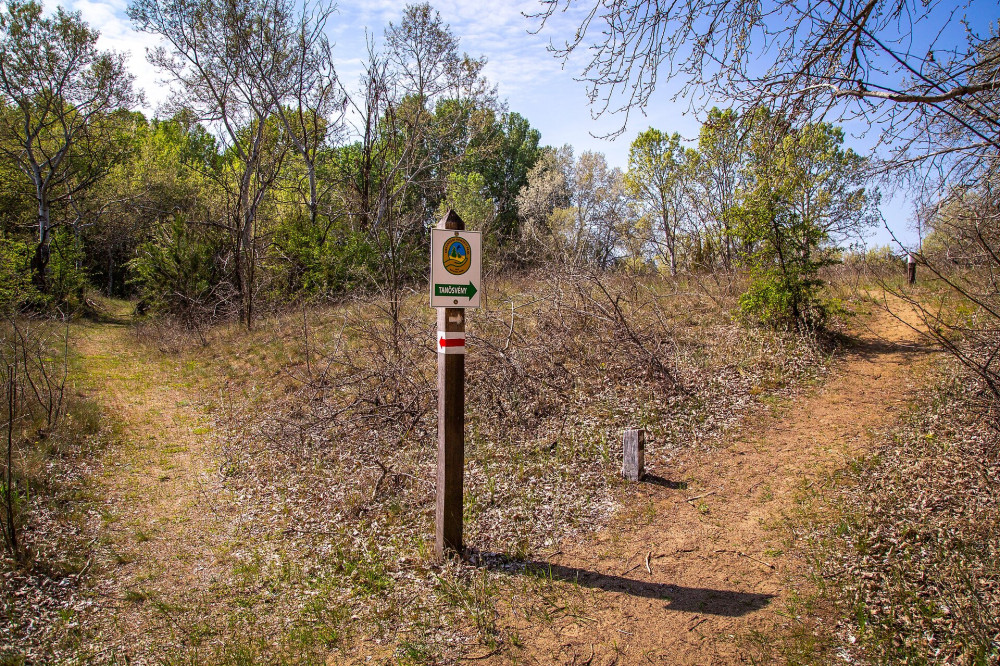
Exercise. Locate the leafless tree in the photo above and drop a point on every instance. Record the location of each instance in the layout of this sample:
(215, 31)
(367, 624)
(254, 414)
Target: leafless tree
(962, 251)
(576, 209)
(924, 72)
(34, 365)
(8, 524)
(298, 74)
(419, 104)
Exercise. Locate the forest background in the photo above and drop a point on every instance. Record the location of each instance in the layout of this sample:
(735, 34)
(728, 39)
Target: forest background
(270, 178)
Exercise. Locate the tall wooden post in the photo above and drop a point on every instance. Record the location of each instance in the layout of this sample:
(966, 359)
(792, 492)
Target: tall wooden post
(451, 426)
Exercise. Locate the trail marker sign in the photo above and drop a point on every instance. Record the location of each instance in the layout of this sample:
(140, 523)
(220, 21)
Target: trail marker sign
(456, 268)
(456, 274)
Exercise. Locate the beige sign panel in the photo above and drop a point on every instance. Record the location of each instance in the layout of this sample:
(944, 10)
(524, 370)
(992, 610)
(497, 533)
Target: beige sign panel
(456, 268)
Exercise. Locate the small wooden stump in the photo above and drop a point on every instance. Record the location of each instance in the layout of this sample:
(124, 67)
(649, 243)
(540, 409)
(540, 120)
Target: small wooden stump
(633, 454)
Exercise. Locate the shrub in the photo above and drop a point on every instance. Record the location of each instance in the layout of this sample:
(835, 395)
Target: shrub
(182, 271)
(782, 300)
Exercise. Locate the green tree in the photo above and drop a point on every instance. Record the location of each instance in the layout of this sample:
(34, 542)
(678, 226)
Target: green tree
(658, 178)
(505, 171)
(180, 271)
(223, 56)
(169, 172)
(15, 281)
(467, 195)
(802, 190)
(720, 170)
(547, 189)
(57, 93)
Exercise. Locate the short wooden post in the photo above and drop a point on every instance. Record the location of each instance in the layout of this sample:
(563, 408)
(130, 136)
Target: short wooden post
(634, 454)
(451, 427)
(911, 268)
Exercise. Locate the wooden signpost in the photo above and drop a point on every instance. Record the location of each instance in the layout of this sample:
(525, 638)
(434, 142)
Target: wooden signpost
(455, 284)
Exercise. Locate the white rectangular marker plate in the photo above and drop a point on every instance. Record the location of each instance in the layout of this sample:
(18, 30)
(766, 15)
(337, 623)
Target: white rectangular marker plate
(456, 268)
(451, 343)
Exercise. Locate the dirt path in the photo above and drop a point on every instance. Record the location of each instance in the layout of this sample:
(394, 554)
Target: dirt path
(714, 531)
(710, 527)
(162, 531)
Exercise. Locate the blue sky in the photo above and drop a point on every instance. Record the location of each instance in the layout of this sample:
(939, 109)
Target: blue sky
(532, 81)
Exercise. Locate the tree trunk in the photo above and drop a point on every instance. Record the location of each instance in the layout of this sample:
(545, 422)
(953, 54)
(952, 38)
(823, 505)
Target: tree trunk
(43, 251)
(111, 274)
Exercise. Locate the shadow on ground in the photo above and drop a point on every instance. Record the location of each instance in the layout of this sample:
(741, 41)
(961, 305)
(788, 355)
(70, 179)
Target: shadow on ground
(728, 603)
(872, 346)
(655, 480)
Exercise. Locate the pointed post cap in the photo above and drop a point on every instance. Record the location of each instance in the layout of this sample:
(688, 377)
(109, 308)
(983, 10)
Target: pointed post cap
(451, 220)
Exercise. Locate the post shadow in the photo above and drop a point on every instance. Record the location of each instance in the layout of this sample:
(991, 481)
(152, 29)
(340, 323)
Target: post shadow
(727, 603)
(655, 480)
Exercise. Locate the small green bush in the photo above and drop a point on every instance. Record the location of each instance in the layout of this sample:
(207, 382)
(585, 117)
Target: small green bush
(314, 260)
(181, 271)
(788, 300)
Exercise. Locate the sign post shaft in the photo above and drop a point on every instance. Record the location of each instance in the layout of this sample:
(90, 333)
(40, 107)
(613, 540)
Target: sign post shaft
(451, 427)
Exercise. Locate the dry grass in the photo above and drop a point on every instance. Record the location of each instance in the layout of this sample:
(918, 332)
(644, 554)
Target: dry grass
(912, 556)
(42, 594)
(334, 460)
(325, 422)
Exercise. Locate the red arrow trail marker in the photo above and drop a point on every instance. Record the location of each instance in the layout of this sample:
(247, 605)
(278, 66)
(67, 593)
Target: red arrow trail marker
(451, 342)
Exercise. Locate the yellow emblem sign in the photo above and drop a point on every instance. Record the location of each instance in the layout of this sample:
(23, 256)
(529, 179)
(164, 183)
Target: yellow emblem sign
(457, 255)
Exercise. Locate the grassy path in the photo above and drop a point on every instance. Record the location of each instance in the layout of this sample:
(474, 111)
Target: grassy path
(698, 570)
(164, 521)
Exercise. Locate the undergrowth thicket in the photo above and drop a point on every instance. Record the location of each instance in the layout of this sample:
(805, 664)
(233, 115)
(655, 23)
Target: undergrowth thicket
(56, 436)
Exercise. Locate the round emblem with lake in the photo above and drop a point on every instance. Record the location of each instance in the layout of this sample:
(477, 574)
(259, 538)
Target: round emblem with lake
(457, 255)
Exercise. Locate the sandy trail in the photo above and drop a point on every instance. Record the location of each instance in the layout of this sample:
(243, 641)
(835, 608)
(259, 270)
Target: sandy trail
(716, 547)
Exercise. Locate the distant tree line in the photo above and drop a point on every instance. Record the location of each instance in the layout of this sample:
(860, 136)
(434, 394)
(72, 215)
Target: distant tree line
(923, 76)
(756, 193)
(271, 179)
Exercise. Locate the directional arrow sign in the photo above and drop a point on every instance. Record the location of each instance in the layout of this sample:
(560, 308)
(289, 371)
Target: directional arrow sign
(456, 268)
(451, 342)
(455, 290)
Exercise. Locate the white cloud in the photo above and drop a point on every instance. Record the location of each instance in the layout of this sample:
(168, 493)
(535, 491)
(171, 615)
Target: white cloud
(108, 17)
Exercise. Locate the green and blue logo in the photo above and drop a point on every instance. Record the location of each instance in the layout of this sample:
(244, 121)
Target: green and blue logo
(457, 255)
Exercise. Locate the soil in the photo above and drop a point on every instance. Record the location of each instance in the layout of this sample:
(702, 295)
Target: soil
(703, 560)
